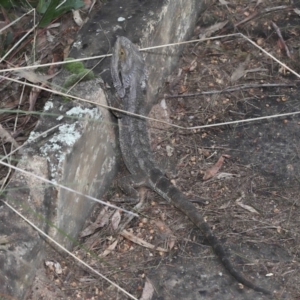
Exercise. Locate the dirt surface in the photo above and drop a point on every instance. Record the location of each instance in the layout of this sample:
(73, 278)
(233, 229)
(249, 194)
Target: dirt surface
(253, 198)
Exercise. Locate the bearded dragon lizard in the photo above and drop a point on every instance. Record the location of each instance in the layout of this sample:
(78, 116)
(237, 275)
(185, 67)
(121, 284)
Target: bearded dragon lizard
(129, 80)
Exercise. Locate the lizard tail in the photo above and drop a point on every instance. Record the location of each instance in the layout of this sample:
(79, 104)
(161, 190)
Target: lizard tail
(169, 192)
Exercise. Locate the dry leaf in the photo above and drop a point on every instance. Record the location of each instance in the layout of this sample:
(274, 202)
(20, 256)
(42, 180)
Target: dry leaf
(247, 207)
(225, 205)
(33, 97)
(239, 72)
(101, 221)
(53, 25)
(224, 175)
(148, 290)
(109, 249)
(258, 3)
(223, 2)
(33, 77)
(210, 30)
(4, 239)
(6, 136)
(50, 37)
(167, 232)
(140, 242)
(115, 220)
(54, 266)
(211, 172)
(297, 11)
(182, 89)
(77, 18)
(170, 150)
(193, 65)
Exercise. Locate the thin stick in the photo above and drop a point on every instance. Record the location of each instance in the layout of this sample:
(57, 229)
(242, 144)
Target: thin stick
(281, 39)
(270, 55)
(16, 20)
(17, 44)
(29, 141)
(152, 119)
(66, 188)
(67, 251)
(34, 34)
(245, 121)
(54, 63)
(4, 181)
(161, 46)
(240, 87)
(176, 126)
(109, 55)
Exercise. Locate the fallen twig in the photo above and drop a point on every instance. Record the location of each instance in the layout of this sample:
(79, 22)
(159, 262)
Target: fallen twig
(236, 88)
(263, 12)
(281, 39)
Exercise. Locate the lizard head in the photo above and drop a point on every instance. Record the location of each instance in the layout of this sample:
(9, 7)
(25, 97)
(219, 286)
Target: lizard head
(127, 63)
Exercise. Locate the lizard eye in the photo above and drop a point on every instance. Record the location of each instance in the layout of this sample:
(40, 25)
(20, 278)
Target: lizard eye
(122, 53)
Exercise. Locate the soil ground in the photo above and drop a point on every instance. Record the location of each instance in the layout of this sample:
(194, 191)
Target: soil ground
(253, 199)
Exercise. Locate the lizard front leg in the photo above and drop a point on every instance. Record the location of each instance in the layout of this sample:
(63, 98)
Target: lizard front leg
(115, 102)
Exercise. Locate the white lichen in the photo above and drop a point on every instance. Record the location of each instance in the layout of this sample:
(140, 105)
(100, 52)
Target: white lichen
(80, 112)
(48, 105)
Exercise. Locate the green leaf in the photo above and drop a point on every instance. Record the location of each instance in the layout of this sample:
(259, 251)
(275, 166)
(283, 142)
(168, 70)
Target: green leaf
(54, 9)
(9, 38)
(7, 3)
(42, 6)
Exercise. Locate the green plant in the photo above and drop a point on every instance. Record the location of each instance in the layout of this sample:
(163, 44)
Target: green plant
(52, 9)
(49, 9)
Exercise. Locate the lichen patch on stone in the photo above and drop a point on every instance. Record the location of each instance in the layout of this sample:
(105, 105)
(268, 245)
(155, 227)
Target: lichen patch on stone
(48, 105)
(80, 112)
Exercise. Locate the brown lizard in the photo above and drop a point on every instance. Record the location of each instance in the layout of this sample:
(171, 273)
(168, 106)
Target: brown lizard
(129, 79)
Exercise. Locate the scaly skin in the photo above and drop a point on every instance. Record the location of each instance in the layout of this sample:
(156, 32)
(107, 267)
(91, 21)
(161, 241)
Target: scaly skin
(129, 79)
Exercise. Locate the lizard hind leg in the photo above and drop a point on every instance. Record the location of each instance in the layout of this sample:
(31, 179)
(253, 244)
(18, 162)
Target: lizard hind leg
(129, 184)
